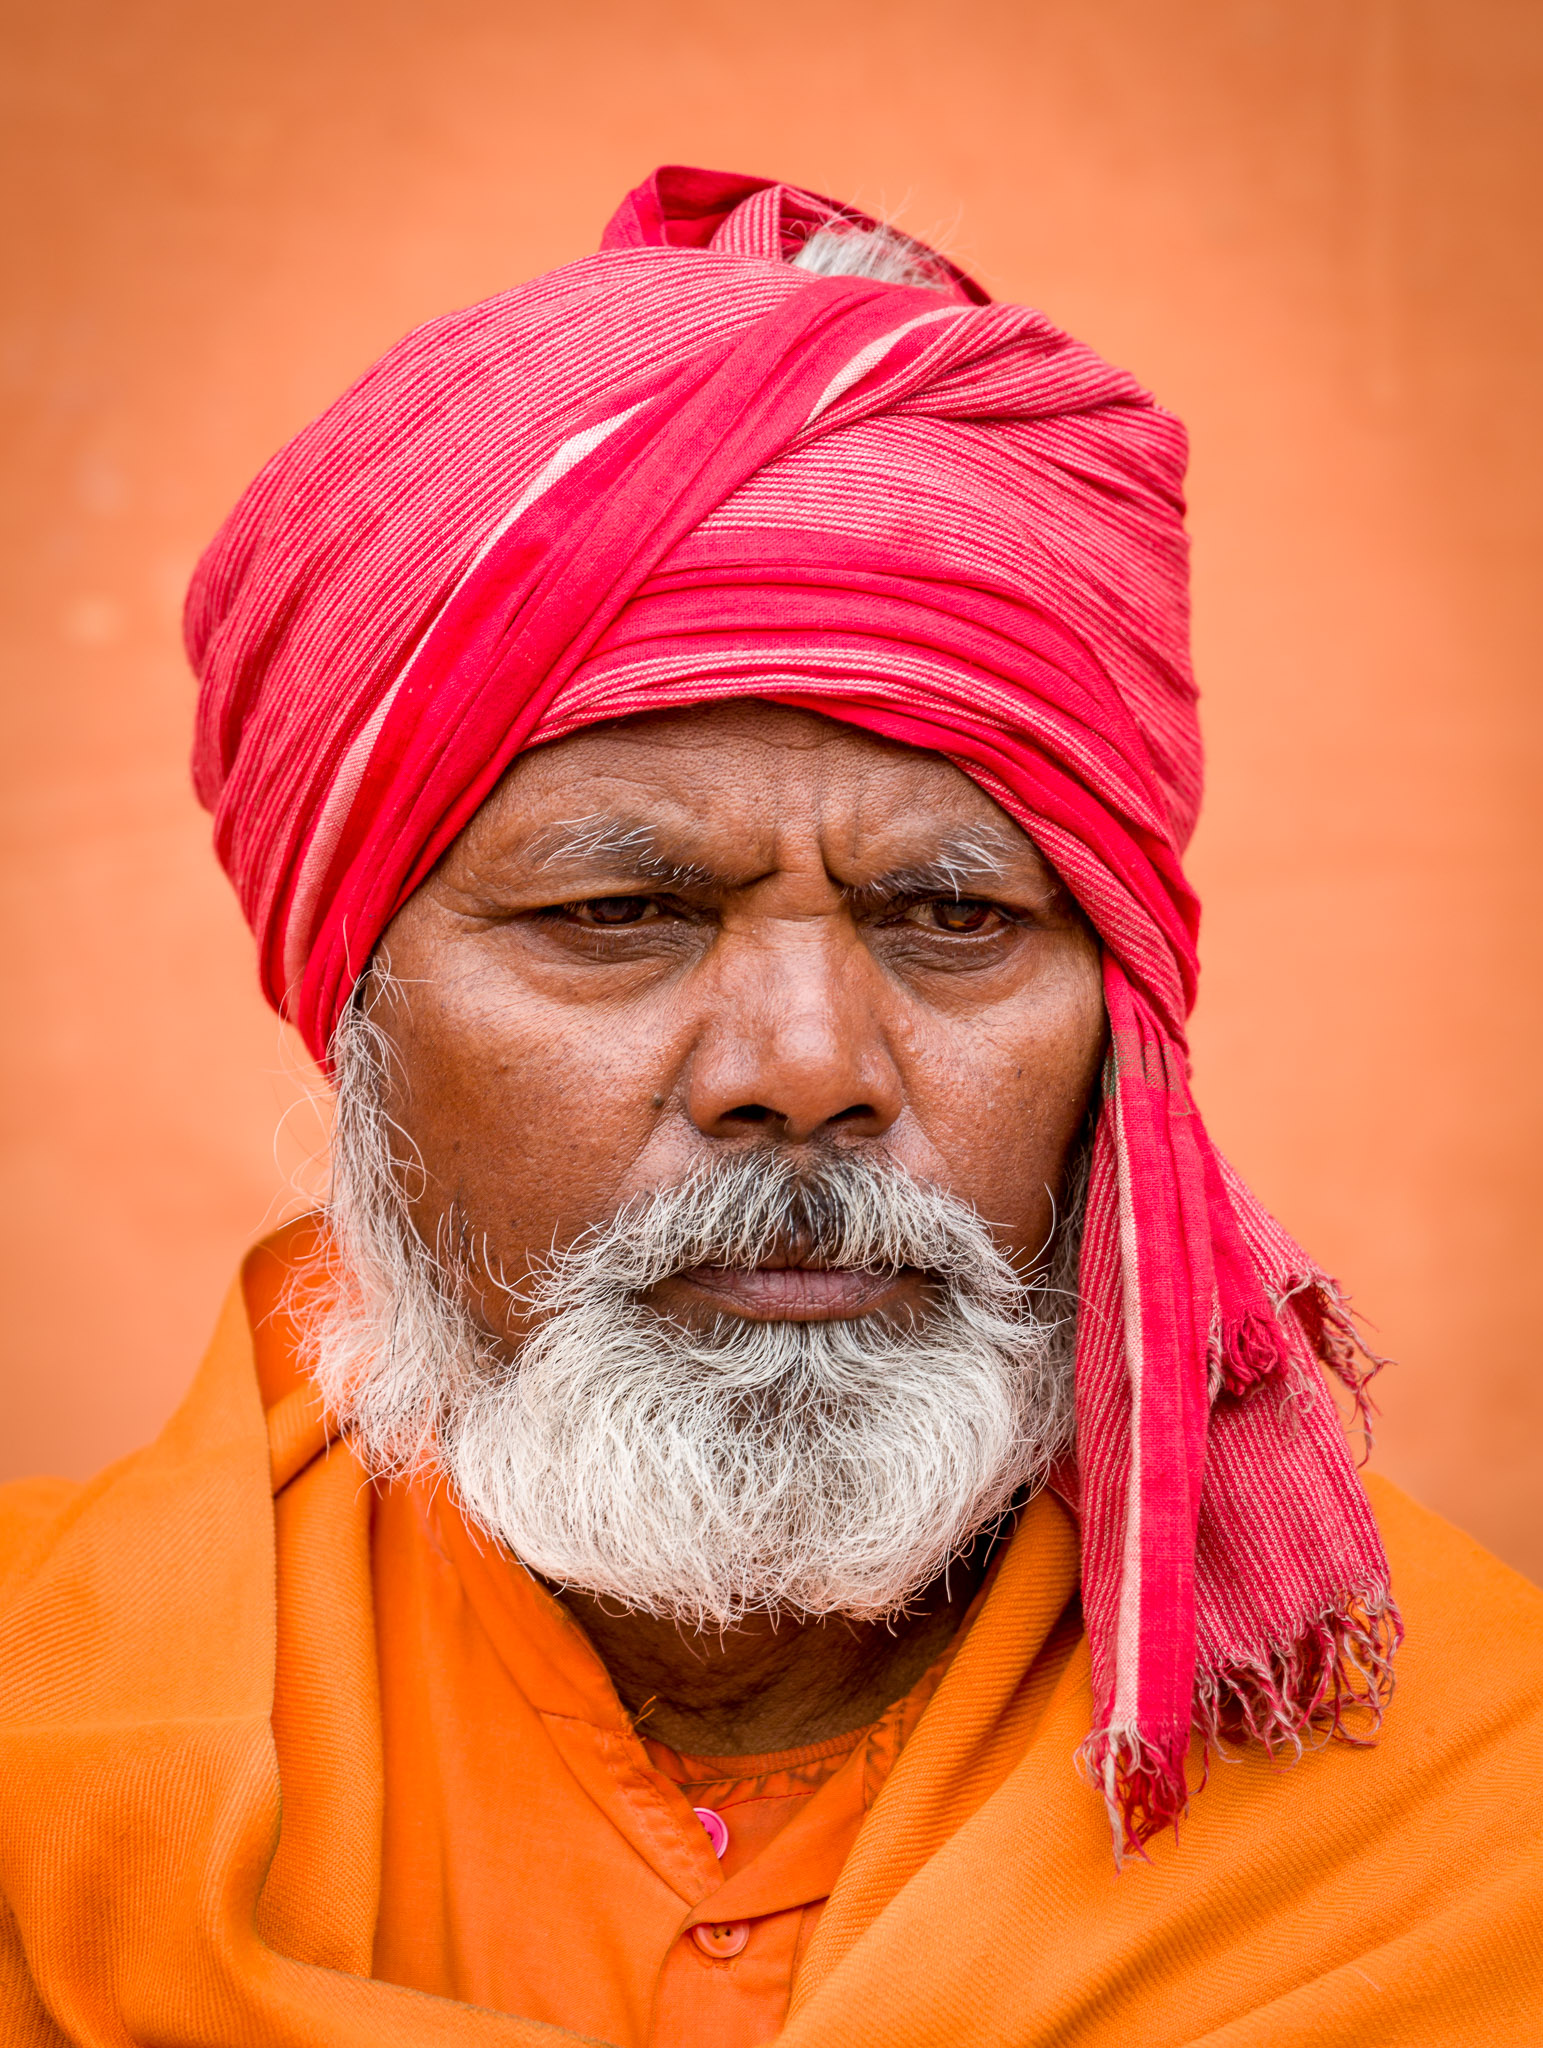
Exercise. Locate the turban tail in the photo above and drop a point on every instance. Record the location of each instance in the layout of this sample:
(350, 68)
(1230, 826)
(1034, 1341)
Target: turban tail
(683, 470)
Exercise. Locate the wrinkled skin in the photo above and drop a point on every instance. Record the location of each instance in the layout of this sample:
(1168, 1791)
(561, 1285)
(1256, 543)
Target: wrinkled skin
(793, 933)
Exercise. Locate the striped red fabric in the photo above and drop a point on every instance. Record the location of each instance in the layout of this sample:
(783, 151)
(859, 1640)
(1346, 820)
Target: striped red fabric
(685, 469)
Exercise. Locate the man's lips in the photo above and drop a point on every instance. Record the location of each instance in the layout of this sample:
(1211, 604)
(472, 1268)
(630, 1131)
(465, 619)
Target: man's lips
(790, 1293)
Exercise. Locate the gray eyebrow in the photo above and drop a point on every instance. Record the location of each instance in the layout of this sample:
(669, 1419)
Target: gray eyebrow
(628, 841)
(964, 864)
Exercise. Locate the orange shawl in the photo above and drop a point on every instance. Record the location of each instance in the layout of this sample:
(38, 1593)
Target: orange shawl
(157, 1888)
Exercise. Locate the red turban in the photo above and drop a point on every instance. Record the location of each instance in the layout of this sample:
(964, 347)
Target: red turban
(683, 469)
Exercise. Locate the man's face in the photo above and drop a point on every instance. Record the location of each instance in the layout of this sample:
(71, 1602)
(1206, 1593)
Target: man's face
(724, 929)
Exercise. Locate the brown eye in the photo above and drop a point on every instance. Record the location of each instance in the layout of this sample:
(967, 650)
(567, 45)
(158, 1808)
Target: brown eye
(964, 914)
(613, 910)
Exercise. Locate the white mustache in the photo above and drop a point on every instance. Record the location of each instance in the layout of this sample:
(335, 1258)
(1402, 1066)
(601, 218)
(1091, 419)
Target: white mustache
(818, 1468)
(772, 1207)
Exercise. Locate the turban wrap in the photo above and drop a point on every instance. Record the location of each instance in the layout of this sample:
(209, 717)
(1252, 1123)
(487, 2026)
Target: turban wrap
(684, 469)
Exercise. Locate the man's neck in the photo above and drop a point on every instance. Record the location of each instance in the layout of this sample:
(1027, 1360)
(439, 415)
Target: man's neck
(773, 1683)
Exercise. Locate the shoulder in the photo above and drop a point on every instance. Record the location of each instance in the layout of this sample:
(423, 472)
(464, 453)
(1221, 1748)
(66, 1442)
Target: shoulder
(32, 1511)
(281, 1279)
(1467, 1711)
(252, 1365)
(1462, 1607)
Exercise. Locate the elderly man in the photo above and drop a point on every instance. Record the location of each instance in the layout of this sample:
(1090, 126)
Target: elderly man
(705, 743)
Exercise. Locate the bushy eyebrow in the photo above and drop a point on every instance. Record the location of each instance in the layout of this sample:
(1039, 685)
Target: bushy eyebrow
(970, 863)
(967, 863)
(627, 843)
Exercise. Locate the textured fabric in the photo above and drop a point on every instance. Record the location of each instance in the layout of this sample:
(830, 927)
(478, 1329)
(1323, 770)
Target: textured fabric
(538, 1854)
(682, 470)
(518, 1796)
(1388, 1896)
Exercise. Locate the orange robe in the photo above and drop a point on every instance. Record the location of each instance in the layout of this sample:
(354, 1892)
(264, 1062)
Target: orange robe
(197, 1804)
(539, 1856)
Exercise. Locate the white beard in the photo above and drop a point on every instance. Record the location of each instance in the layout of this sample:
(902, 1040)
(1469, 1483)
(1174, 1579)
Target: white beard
(816, 1468)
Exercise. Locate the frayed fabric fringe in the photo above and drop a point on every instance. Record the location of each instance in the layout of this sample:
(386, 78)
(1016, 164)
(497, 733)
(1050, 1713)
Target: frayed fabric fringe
(1335, 1339)
(1145, 1789)
(1332, 1684)
(1247, 1351)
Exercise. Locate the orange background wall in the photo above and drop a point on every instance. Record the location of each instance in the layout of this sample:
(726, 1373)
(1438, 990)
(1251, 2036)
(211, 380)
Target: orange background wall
(1311, 225)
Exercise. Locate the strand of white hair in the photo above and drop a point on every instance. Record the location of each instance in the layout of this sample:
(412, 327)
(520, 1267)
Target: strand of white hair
(883, 253)
(816, 1468)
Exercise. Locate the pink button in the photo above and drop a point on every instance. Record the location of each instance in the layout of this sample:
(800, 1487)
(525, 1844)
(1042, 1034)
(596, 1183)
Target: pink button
(722, 1939)
(717, 1830)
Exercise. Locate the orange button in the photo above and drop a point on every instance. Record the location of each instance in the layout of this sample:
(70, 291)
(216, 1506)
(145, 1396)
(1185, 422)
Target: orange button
(721, 1939)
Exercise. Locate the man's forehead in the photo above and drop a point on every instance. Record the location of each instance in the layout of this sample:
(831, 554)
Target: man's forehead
(726, 794)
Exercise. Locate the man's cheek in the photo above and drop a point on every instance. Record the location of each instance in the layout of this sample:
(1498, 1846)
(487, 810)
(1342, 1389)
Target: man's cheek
(559, 1127)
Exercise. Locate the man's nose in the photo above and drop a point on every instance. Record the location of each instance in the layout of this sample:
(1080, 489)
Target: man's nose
(795, 1037)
